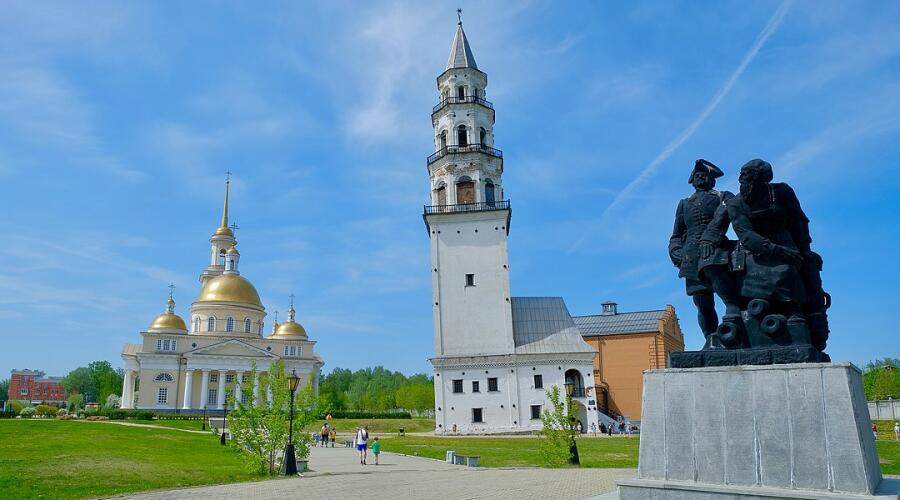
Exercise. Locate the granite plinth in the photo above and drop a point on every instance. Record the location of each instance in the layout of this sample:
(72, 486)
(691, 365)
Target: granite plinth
(770, 355)
(741, 432)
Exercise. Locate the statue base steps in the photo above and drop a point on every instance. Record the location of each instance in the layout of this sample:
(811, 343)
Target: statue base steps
(756, 432)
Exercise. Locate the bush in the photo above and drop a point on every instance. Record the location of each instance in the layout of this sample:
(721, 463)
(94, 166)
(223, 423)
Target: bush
(17, 406)
(62, 412)
(367, 414)
(143, 415)
(46, 410)
(115, 414)
(27, 412)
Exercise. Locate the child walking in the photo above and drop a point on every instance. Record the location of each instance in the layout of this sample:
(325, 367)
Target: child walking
(376, 449)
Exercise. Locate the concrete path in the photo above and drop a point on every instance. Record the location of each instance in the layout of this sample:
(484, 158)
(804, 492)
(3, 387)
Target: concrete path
(336, 473)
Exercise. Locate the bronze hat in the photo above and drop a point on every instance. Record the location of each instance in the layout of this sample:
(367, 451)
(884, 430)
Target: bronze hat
(702, 165)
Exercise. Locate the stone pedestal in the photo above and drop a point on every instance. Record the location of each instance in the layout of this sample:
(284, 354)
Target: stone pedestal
(753, 432)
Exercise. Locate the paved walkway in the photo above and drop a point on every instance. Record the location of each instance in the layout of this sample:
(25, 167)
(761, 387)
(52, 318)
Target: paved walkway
(336, 473)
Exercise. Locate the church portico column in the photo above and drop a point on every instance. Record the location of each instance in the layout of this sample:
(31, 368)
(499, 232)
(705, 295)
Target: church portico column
(220, 395)
(238, 387)
(128, 390)
(188, 389)
(204, 389)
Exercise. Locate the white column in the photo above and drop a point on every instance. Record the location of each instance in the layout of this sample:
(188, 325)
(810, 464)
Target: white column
(204, 389)
(220, 396)
(188, 389)
(255, 388)
(128, 390)
(238, 387)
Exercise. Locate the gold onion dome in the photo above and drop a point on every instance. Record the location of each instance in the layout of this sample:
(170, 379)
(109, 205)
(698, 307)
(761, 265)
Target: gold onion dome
(290, 328)
(168, 321)
(230, 288)
(224, 231)
(232, 251)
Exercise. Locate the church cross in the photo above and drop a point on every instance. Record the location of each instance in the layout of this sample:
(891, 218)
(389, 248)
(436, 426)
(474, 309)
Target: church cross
(459, 15)
(234, 228)
(228, 176)
(171, 289)
(292, 299)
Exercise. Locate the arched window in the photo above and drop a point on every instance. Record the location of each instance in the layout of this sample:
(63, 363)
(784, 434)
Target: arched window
(164, 377)
(462, 138)
(260, 327)
(231, 264)
(489, 192)
(443, 139)
(475, 91)
(222, 257)
(211, 324)
(229, 324)
(440, 195)
(465, 190)
(197, 324)
(247, 325)
(482, 136)
(461, 92)
(574, 377)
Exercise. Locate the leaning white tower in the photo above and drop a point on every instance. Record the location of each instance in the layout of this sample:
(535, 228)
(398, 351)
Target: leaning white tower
(468, 219)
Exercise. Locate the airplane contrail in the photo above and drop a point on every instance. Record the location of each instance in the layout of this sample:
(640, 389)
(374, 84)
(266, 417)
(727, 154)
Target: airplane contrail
(651, 169)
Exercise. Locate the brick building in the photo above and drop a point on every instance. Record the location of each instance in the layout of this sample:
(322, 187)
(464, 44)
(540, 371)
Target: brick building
(627, 344)
(34, 386)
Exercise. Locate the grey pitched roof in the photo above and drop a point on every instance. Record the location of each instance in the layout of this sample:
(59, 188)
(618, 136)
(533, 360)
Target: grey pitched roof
(618, 324)
(460, 52)
(543, 324)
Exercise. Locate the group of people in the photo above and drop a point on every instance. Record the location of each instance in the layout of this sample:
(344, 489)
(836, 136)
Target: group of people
(325, 435)
(362, 445)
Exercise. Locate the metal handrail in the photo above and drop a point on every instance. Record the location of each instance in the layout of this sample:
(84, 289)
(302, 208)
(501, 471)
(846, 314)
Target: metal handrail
(462, 100)
(468, 207)
(469, 148)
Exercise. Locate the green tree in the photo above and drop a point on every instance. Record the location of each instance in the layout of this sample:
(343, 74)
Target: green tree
(4, 391)
(76, 402)
(417, 397)
(79, 381)
(95, 382)
(881, 379)
(558, 432)
(260, 429)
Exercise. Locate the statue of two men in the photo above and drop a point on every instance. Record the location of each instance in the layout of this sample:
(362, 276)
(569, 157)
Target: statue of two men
(769, 279)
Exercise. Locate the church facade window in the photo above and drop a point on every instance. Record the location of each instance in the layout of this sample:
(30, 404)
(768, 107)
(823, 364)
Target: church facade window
(162, 397)
(164, 377)
(211, 397)
(165, 345)
(213, 377)
(247, 324)
(197, 324)
(229, 378)
(229, 324)
(211, 324)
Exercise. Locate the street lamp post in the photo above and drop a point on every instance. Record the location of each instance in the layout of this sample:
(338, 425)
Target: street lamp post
(573, 447)
(204, 418)
(290, 458)
(224, 422)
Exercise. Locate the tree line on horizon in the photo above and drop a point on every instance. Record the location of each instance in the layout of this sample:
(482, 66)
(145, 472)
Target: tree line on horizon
(375, 389)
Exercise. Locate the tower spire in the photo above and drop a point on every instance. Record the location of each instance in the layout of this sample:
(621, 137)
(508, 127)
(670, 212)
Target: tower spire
(460, 52)
(225, 209)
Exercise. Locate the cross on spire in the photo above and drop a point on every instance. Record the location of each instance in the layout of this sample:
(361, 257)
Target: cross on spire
(234, 228)
(171, 289)
(228, 176)
(292, 299)
(459, 16)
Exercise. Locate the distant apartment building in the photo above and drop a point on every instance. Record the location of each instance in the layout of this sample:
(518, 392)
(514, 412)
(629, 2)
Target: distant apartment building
(627, 343)
(35, 386)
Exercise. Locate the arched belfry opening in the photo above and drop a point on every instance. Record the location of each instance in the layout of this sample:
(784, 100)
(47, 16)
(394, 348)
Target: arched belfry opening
(574, 377)
(440, 195)
(482, 137)
(489, 192)
(465, 190)
(443, 139)
(461, 92)
(462, 136)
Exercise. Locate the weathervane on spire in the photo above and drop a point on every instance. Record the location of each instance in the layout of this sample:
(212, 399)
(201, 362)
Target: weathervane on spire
(459, 16)
(227, 176)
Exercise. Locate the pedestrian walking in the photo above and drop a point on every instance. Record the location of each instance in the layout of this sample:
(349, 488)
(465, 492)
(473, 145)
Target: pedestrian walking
(317, 437)
(333, 435)
(362, 439)
(323, 435)
(376, 449)
(875, 430)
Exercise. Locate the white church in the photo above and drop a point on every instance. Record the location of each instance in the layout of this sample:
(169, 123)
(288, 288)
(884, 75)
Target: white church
(495, 355)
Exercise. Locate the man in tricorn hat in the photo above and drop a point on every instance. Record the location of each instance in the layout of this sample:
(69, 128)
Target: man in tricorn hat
(700, 250)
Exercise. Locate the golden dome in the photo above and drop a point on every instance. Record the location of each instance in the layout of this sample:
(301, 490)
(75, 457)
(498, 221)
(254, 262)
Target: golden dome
(224, 231)
(229, 288)
(290, 329)
(233, 251)
(167, 321)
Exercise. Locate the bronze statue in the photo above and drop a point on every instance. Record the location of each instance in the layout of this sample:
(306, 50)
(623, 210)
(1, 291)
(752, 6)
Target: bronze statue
(699, 249)
(769, 279)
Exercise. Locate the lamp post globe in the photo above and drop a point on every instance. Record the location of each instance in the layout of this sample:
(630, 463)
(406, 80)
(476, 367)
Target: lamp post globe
(290, 458)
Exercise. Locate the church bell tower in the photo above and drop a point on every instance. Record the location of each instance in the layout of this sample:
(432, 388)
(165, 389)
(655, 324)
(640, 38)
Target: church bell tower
(468, 218)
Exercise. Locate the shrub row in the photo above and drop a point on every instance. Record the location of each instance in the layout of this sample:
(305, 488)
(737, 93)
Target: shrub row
(367, 414)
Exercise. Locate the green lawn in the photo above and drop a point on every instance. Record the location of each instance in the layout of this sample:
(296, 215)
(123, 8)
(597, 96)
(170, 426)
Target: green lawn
(615, 452)
(889, 454)
(65, 459)
(193, 425)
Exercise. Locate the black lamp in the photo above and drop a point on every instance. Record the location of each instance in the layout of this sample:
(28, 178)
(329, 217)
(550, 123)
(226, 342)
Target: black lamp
(290, 458)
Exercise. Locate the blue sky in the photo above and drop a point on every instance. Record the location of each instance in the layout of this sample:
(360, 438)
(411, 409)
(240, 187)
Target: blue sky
(119, 120)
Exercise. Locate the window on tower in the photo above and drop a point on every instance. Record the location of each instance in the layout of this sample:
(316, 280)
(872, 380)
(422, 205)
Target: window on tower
(489, 191)
(461, 92)
(229, 324)
(443, 139)
(470, 280)
(462, 136)
(197, 324)
(440, 195)
(457, 386)
(211, 324)
(247, 325)
(477, 415)
(482, 136)
(465, 190)
(492, 384)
